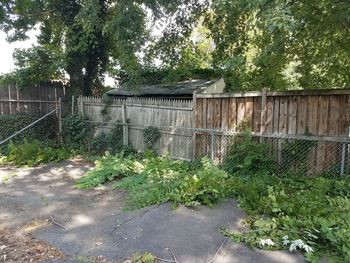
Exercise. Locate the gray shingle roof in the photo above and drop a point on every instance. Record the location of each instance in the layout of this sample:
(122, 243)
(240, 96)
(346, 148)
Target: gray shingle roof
(180, 88)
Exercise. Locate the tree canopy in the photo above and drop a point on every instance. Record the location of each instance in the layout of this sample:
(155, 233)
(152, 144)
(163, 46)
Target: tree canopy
(254, 44)
(85, 38)
(279, 44)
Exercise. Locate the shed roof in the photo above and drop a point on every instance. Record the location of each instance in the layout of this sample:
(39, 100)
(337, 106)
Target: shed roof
(180, 88)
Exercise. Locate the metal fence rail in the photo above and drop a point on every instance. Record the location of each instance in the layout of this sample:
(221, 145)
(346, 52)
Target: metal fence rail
(17, 128)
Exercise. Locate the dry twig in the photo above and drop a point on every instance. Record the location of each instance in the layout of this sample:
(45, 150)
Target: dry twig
(55, 223)
(218, 251)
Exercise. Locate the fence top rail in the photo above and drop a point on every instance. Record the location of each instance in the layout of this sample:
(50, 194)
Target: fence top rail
(139, 101)
(29, 101)
(276, 93)
(223, 132)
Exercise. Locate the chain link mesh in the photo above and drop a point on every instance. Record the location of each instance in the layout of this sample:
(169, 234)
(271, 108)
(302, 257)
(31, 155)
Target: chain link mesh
(294, 155)
(249, 152)
(18, 128)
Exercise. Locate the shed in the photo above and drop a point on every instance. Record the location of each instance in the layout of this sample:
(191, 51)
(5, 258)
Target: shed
(180, 90)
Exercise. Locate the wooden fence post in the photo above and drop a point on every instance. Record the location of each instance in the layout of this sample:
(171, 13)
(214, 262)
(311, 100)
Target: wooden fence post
(10, 105)
(82, 106)
(194, 125)
(343, 155)
(263, 110)
(60, 121)
(125, 125)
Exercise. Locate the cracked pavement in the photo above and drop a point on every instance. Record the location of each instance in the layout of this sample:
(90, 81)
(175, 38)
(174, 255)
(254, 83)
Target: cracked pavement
(97, 225)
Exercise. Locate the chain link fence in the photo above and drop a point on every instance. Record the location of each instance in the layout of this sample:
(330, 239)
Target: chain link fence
(282, 154)
(250, 152)
(29, 127)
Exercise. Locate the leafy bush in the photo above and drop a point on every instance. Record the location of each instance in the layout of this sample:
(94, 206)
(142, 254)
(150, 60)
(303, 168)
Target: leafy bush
(154, 180)
(295, 156)
(310, 214)
(44, 130)
(151, 136)
(111, 142)
(34, 153)
(77, 133)
(109, 168)
(165, 180)
(245, 155)
(293, 212)
(101, 143)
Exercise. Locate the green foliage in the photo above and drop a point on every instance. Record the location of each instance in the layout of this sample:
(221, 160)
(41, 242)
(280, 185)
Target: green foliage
(247, 155)
(164, 180)
(314, 210)
(154, 180)
(310, 214)
(111, 142)
(151, 136)
(143, 258)
(87, 38)
(33, 153)
(281, 44)
(77, 133)
(108, 168)
(295, 156)
(43, 130)
(101, 143)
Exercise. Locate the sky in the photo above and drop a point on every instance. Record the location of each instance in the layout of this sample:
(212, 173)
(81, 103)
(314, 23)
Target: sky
(6, 50)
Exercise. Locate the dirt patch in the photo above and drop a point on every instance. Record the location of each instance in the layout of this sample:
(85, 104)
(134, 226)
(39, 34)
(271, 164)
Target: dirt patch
(18, 247)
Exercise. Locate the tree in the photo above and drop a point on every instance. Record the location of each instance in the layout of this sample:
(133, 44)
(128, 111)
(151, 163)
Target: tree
(85, 38)
(264, 43)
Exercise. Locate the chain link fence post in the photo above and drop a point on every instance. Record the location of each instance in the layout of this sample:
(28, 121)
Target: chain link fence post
(60, 121)
(212, 145)
(125, 126)
(343, 155)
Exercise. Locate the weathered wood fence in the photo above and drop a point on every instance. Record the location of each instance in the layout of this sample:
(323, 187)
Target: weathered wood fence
(140, 114)
(192, 128)
(325, 114)
(34, 99)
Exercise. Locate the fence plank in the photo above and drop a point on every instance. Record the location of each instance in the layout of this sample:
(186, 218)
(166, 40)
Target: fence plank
(283, 115)
(240, 111)
(269, 115)
(292, 115)
(248, 114)
(302, 114)
(322, 120)
(232, 121)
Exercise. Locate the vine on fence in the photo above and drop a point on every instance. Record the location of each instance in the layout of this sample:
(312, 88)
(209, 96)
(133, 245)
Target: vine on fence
(151, 136)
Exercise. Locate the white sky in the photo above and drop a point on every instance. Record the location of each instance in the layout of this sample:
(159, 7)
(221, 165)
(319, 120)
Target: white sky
(6, 50)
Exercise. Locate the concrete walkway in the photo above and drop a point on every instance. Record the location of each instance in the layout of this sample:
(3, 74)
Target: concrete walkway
(92, 222)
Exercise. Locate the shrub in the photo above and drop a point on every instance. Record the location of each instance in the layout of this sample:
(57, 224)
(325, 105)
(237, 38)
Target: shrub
(108, 168)
(45, 130)
(246, 155)
(151, 136)
(309, 214)
(101, 143)
(77, 133)
(295, 156)
(111, 142)
(34, 153)
(165, 180)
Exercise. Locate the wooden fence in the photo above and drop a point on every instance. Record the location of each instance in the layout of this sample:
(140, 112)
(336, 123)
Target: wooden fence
(325, 114)
(142, 113)
(275, 116)
(34, 99)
